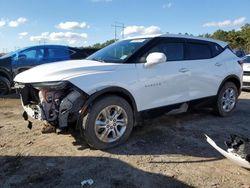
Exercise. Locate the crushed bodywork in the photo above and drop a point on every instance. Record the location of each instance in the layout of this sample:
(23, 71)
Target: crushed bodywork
(57, 103)
(232, 156)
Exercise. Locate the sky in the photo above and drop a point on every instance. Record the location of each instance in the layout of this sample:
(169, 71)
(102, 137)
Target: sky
(86, 22)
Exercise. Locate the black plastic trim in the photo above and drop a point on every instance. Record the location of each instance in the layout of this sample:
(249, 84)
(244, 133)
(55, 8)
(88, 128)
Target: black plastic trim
(228, 78)
(109, 91)
(156, 112)
(114, 90)
(183, 40)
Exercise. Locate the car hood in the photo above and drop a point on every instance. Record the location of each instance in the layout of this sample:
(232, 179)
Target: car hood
(63, 71)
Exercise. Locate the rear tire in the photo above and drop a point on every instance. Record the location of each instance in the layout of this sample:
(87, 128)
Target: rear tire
(108, 123)
(4, 86)
(226, 100)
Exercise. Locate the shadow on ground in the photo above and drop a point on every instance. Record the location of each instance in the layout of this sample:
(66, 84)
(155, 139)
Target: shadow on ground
(165, 135)
(12, 95)
(60, 172)
(183, 134)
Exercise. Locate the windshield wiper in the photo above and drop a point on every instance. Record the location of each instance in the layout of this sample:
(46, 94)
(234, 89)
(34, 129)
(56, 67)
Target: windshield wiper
(99, 60)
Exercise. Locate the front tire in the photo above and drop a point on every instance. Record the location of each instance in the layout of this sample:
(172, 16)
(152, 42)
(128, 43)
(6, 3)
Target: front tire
(227, 99)
(108, 123)
(4, 86)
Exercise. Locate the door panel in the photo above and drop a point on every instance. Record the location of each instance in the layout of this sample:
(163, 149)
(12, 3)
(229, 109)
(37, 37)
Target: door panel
(202, 81)
(205, 71)
(162, 84)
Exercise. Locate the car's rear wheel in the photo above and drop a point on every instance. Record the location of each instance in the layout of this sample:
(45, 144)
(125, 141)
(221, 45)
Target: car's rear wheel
(4, 86)
(227, 99)
(108, 123)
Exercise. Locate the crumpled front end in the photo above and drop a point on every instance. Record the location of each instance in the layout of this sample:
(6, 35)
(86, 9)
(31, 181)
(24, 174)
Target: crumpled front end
(57, 103)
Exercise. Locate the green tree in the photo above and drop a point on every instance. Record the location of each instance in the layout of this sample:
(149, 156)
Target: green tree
(220, 35)
(102, 45)
(236, 39)
(245, 33)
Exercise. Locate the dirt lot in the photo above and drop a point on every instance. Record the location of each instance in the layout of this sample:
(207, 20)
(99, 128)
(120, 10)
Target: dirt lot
(170, 151)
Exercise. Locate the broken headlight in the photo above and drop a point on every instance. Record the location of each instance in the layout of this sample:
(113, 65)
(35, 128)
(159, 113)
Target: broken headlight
(50, 85)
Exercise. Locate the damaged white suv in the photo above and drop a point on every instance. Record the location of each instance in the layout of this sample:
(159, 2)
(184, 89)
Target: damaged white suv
(107, 94)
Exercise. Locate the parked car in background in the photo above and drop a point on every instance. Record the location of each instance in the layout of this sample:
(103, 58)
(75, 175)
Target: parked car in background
(13, 63)
(246, 73)
(2, 54)
(107, 94)
(240, 53)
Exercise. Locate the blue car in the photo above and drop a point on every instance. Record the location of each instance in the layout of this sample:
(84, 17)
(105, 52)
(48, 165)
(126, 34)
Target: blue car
(13, 63)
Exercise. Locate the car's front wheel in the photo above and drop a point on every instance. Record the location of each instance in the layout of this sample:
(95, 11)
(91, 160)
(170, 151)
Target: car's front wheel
(4, 86)
(108, 123)
(226, 99)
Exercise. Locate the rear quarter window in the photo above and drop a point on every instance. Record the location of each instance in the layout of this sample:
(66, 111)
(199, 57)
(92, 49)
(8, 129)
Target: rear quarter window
(216, 49)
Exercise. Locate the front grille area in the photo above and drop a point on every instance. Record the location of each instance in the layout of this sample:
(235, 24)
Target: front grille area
(246, 84)
(246, 73)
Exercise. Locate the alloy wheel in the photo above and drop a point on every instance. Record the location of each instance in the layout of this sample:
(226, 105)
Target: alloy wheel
(111, 123)
(228, 99)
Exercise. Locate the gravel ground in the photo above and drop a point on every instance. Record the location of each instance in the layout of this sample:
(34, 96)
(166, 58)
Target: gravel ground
(170, 151)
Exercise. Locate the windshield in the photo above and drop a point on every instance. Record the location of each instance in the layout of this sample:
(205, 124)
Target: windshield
(118, 52)
(246, 59)
(11, 54)
(7, 55)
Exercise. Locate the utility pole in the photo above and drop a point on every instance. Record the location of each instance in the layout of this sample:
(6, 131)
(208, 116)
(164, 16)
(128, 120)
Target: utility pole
(118, 25)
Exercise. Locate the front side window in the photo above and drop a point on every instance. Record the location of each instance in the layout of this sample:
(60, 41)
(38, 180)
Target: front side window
(174, 51)
(118, 52)
(28, 54)
(197, 51)
(35, 54)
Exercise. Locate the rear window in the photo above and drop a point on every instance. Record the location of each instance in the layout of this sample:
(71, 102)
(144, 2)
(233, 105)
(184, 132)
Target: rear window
(197, 51)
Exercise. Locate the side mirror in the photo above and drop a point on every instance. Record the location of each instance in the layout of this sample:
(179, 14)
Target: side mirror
(155, 58)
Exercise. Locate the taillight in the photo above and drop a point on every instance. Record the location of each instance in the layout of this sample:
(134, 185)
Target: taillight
(241, 63)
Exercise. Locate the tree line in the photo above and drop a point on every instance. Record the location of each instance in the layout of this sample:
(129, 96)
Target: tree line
(239, 39)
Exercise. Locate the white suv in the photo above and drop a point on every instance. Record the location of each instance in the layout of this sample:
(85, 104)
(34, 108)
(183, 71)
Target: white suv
(107, 94)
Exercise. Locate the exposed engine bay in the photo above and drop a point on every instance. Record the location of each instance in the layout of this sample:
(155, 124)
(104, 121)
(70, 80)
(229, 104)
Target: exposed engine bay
(58, 106)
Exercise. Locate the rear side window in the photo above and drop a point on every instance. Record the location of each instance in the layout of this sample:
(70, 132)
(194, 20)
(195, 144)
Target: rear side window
(58, 53)
(197, 51)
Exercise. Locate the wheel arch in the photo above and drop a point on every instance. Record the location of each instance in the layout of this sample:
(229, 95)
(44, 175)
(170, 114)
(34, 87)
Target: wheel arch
(117, 91)
(234, 79)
